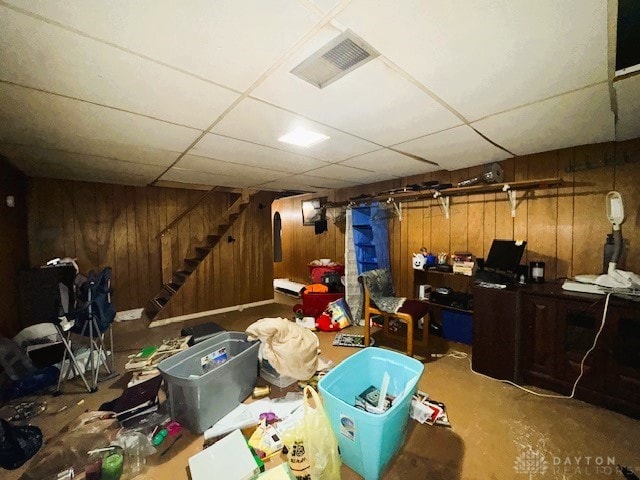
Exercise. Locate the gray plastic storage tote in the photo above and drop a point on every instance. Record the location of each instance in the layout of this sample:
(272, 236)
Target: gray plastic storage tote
(208, 380)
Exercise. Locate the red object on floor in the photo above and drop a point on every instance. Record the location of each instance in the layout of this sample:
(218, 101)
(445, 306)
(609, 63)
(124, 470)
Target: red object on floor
(324, 324)
(317, 271)
(314, 304)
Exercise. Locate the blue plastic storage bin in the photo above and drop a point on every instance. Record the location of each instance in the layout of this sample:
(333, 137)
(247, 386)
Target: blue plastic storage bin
(457, 326)
(368, 441)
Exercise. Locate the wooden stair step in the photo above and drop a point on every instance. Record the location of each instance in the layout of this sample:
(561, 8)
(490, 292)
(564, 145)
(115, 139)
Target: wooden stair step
(171, 288)
(182, 274)
(152, 309)
(202, 251)
(213, 239)
(192, 262)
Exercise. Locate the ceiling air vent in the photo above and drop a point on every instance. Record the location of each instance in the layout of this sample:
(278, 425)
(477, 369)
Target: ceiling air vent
(333, 61)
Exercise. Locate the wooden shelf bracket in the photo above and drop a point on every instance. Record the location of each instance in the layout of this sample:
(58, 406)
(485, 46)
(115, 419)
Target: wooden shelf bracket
(397, 207)
(512, 197)
(445, 203)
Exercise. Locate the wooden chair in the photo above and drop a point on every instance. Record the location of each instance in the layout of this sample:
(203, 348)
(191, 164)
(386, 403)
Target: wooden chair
(409, 314)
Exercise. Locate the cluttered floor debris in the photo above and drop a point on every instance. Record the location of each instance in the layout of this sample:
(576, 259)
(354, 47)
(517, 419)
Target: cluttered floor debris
(476, 429)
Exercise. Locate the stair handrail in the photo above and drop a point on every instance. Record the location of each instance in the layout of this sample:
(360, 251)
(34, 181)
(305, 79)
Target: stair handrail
(186, 212)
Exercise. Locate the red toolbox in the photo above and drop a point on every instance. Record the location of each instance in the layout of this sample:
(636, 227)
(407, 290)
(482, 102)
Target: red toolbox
(313, 304)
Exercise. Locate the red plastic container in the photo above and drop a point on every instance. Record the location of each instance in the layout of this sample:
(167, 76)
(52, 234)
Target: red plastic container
(317, 271)
(313, 304)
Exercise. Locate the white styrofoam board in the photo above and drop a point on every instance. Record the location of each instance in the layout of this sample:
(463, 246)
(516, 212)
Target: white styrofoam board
(344, 172)
(306, 183)
(45, 56)
(258, 122)
(628, 99)
(226, 41)
(373, 102)
(387, 162)
(485, 57)
(125, 315)
(38, 162)
(577, 118)
(31, 117)
(455, 148)
(224, 177)
(251, 154)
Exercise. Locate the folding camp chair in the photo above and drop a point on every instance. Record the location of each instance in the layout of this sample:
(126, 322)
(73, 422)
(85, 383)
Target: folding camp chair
(92, 320)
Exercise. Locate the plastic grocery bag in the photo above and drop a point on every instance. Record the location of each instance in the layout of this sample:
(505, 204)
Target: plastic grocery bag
(311, 444)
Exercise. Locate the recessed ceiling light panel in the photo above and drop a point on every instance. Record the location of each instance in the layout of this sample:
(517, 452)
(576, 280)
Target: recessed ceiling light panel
(303, 137)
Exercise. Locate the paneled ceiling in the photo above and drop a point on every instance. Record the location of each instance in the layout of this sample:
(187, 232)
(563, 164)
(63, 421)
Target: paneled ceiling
(198, 92)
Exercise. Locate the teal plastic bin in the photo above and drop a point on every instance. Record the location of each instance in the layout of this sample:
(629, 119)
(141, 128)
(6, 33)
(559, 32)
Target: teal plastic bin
(368, 441)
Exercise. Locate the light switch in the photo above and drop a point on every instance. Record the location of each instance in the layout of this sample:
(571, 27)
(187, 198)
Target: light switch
(11, 201)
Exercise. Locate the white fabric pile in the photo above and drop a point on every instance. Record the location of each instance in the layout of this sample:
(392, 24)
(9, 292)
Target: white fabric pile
(290, 349)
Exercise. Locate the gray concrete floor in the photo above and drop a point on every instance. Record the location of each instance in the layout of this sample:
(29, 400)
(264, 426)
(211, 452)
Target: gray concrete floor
(495, 427)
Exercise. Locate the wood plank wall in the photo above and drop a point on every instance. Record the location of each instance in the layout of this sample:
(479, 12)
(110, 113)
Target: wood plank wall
(115, 225)
(13, 245)
(565, 227)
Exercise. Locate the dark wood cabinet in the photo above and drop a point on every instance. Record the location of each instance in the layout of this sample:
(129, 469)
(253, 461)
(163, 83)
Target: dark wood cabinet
(539, 334)
(559, 328)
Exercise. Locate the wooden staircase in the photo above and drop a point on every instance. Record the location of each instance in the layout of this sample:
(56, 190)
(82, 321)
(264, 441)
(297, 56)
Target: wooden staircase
(175, 279)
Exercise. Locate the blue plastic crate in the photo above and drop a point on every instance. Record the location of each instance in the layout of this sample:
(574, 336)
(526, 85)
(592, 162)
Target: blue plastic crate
(457, 326)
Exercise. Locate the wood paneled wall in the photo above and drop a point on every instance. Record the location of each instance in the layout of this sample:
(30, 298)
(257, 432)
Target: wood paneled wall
(114, 225)
(565, 227)
(14, 251)
(235, 273)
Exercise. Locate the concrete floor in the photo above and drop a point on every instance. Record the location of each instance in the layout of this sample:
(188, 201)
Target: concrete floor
(495, 427)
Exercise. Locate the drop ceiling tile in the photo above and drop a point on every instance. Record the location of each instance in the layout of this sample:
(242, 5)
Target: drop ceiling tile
(41, 162)
(390, 164)
(458, 147)
(373, 101)
(181, 175)
(104, 177)
(44, 56)
(288, 183)
(35, 118)
(223, 178)
(227, 41)
(485, 56)
(628, 98)
(245, 153)
(343, 172)
(317, 183)
(325, 5)
(258, 122)
(210, 165)
(577, 118)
